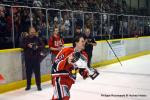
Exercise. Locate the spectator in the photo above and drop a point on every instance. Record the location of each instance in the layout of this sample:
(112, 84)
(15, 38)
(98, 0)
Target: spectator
(67, 25)
(89, 45)
(3, 21)
(32, 47)
(55, 43)
(37, 3)
(56, 22)
(77, 31)
(22, 37)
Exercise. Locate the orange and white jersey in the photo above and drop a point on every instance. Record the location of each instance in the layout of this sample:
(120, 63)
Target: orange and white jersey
(64, 74)
(61, 67)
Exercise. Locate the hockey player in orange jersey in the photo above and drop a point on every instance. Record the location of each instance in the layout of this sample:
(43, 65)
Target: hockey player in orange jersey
(64, 69)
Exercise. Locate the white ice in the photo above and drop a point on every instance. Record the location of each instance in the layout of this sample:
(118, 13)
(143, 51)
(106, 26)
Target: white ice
(115, 82)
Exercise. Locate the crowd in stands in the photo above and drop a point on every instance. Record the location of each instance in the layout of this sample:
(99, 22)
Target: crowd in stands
(23, 17)
(84, 5)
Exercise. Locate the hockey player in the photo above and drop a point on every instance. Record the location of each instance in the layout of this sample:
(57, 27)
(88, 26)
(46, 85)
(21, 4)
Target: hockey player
(64, 69)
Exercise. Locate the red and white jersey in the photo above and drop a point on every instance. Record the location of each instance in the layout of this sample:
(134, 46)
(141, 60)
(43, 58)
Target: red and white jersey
(61, 67)
(55, 42)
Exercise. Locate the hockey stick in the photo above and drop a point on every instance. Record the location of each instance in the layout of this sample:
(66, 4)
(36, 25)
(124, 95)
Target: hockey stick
(113, 52)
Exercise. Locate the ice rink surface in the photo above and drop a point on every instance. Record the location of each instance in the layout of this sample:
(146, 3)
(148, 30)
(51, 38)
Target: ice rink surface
(115, 82)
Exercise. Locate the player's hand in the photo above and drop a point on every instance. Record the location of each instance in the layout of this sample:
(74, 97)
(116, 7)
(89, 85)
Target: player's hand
(84, 73)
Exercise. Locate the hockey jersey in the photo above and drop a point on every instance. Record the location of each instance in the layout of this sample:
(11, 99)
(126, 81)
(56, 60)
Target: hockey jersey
(55, 42)
(61, 67)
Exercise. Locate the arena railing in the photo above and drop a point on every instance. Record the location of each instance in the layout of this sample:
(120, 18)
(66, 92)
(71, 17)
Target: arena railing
(17, 19)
